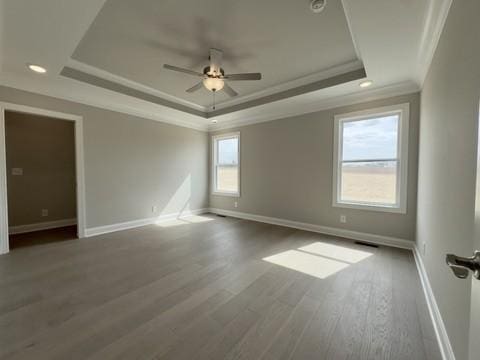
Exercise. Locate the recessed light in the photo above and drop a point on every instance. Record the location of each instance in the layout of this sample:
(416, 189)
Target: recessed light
(366, 83)
(214, 121)
(37, 68)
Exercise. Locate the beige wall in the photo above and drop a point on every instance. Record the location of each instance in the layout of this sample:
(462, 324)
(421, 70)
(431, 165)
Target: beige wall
(447, 163)
(45, 149)
(132, 163)
(286, 172)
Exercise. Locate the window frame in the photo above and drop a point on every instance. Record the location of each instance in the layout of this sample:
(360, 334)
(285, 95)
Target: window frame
(403, 111)
(215, 139)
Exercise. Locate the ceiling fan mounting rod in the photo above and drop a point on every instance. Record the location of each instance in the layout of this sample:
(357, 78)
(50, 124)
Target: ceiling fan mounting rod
(213, 73)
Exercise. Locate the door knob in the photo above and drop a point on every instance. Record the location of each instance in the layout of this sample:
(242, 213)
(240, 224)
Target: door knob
(462, 265)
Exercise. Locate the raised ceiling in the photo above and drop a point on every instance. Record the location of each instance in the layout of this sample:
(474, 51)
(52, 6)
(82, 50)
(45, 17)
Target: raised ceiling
(282, 39)
(110, 53)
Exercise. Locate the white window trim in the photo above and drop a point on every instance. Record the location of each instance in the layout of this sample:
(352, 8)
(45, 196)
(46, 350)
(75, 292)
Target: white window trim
(215, 138)
(404, 111)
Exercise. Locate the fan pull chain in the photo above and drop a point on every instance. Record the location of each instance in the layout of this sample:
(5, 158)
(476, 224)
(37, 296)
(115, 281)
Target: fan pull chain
(214, 100)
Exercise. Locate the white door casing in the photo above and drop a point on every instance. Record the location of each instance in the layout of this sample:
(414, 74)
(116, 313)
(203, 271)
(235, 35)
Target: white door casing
(79, 160)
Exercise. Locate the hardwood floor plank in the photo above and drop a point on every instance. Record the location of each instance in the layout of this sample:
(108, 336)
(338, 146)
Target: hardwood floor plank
(407, 331)
(86, 323)
(193, 339)
(204, 290)
(258, 339)
(286, 340)
(219, 346)
(331, 293)
(378, 335)
(349, 332)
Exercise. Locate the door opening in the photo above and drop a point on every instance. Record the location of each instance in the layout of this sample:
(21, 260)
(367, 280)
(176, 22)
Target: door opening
(41, 191)
(42, 187)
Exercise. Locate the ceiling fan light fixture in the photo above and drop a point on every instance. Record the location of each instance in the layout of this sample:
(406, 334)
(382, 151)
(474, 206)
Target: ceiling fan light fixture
(213, 84)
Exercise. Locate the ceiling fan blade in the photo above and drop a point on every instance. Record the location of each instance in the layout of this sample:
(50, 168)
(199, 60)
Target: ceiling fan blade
(230, 92)
(195, 87)
(245, 76)
(182, 70)
(216, 57)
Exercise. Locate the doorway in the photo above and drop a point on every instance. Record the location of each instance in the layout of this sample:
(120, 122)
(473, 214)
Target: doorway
(41, 153)
(41, 194)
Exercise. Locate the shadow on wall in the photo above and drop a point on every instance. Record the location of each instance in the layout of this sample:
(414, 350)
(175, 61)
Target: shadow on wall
(181, 200)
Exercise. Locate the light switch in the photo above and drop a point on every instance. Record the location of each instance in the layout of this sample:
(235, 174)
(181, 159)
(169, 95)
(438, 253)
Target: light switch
(17, 171)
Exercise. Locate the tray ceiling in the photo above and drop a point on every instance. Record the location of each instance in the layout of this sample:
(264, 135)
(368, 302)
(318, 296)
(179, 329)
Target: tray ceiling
(282, 39)
(109, 53)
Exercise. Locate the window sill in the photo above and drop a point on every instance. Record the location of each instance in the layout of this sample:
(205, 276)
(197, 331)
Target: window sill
(379, 208)
(221, 193)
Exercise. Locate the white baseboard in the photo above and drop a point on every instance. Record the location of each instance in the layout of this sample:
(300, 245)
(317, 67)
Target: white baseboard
(440, 330)
(20, 229)
(349, 234)
(98, 230)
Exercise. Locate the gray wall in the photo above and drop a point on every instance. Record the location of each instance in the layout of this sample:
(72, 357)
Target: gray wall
(447, 163)
(286, 172)
(45, 149)
(132, 163)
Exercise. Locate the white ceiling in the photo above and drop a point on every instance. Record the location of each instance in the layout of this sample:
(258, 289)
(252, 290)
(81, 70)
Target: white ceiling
(393, 40)
(282, 39)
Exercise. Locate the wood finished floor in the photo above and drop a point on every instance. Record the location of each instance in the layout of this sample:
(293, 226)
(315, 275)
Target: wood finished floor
(43, 237)
(202, 291)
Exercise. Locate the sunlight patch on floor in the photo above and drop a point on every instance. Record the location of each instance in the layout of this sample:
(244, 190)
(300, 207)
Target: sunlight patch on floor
(313, 265)
(336, 252)
(194, 219)
(319, 259)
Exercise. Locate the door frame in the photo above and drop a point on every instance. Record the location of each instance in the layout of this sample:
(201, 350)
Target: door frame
(79, 167)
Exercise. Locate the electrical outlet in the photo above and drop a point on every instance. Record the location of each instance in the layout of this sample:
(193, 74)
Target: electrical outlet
(17, 171)
(44, 212)
(343, 219)
(154, 208)
(235, 204)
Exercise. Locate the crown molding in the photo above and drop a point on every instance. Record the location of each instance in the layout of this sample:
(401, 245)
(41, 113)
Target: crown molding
(334, 75)
(112, 86)
(434, 22)
(306, 89)
(91, 70)
(292, 84)
(325, 104)
(28, 84)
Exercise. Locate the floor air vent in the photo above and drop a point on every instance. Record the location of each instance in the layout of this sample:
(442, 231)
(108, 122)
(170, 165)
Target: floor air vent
(366, 244)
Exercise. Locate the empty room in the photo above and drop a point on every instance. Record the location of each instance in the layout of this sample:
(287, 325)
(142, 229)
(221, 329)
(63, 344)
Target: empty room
(219, 179)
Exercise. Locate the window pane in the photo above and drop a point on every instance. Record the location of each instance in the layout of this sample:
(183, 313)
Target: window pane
(227, 178)
(227, 151)
(369, 182)
(370, 139)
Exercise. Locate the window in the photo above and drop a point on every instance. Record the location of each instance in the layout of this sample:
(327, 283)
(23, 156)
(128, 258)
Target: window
(370, 159)
(226, 168)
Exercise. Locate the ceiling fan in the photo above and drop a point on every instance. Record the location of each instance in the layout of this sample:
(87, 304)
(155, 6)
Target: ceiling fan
(213, 76)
